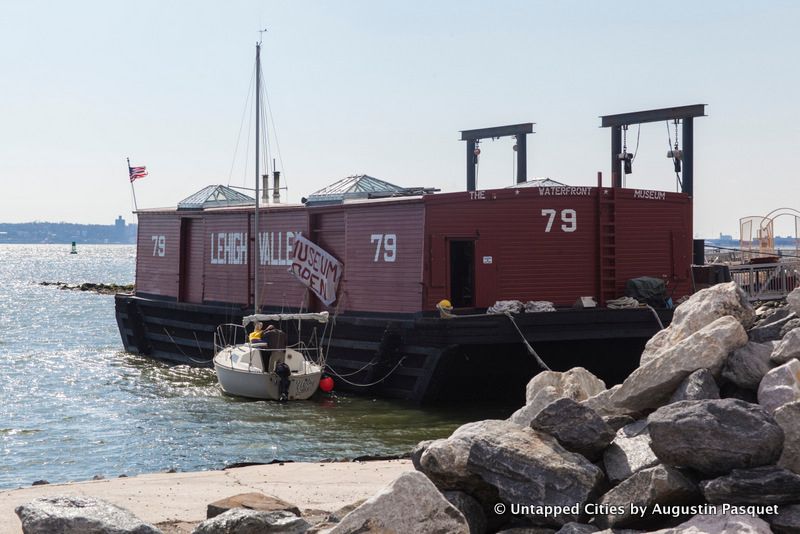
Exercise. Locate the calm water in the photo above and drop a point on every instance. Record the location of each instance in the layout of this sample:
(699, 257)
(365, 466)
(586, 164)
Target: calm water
(74, 405)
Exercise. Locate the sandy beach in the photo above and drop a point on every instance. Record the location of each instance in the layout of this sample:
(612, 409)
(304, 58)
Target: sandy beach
(181, 498)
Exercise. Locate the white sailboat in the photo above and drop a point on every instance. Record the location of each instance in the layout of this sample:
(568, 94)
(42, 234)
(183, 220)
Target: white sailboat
(266, 368)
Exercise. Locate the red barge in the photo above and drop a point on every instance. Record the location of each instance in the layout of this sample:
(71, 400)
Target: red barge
(405, 251)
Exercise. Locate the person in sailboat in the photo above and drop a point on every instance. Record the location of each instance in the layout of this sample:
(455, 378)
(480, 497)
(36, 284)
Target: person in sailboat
(259, 334)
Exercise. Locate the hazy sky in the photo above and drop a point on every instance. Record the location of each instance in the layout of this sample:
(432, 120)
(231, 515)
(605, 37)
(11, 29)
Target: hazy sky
(383, 88)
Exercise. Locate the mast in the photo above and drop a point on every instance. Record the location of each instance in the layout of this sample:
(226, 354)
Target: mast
(258, 132)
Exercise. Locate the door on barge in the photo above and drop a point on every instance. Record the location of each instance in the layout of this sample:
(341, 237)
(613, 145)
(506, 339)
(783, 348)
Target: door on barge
(191, 260)
(462, 272)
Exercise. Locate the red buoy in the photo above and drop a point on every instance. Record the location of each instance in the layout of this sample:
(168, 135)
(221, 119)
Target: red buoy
(326, 384)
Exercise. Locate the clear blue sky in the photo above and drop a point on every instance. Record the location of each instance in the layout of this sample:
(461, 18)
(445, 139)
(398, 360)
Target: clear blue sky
(383, 88)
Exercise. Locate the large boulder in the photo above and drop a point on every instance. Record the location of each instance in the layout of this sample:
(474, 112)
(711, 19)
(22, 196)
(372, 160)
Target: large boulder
(253, 501)
(246, 521)
(661, 485)
(761, 485)
(715, 436)
(576, 427)
(787, 520)
(788, 348)
(629, 453)
(501, 461)
(79, 515)
(470, 508)
(771, 327)
(720, 524)
(417, 451)
(780, 386)
(788, 417)
(697, 386)
(747, 365)
(651, 384)
(577, 384)
(411, 503)
(601, 403)
(702, 309)
(793, 300)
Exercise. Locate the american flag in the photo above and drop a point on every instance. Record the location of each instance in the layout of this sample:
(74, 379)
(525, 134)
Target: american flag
(137, 172)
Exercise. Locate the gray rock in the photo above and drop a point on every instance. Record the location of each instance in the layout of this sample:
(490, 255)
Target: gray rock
(629, 453)
(788, 417)
(702, 309)
(747, 365)
(653, 383)
(577, 384)
(416, 452)
(500, 461)
(576, 427)
(715, 436)
(254, 501)
(697, 386)
(618, 421)
(760, 485)
(793, 300)
(79, 515)
(525, 415)
(787, 520)
(411, 503)
(246, 521)
(577, 528)
(601, 403)
(469, 508)
(789, 326)
(780, 386)
(337, 515)
(719, 524)
(770, 328)
(661, 485)
(788, 348)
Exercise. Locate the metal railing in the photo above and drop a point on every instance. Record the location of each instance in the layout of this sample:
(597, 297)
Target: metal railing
(767, 281)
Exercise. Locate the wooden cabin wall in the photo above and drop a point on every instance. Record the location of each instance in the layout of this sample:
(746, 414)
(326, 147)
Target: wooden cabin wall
(528, 245)
(277, 229)
(654, 238)
(158, 255)
(226, 254)
(383, 259)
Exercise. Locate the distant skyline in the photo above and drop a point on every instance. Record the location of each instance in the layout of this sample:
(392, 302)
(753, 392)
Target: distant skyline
(384, 89)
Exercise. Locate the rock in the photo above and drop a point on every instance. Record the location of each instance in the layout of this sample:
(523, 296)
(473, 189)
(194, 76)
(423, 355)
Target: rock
(789, 326)
(469, 508)
(714, 436)
(780, 386)
(84, 515)
(40, 482)
(577, 384)
(793, 300)
(747, 365)
(697, 386)
(788, 348)
(525, 415)
(576, 427)
(416, 452)
(661, 485)
(601, 403)
(760, 485)
(629, 453)
(719, 524)
(770, 328)
(787, 520)
(500, 461)
(651, 385)
(788, 417)
(245, 521)
(577, 528)
(702, 309)
(411, 503)
(252, 501)
(337, 515)
(618, 421)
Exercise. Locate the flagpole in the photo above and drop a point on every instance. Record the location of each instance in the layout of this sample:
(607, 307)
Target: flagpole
(133, 191)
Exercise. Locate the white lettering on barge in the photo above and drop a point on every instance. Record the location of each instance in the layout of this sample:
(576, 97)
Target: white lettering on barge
(276, 248)
(565, 190)
(649, 195)
(229, 248)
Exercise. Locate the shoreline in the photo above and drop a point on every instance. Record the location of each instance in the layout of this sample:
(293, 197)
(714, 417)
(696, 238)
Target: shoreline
(176, 502)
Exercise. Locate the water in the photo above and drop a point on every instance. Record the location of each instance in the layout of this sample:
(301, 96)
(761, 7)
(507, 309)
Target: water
(74, 405)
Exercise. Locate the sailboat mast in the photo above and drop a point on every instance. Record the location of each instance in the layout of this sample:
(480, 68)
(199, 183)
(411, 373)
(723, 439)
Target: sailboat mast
(255, 218)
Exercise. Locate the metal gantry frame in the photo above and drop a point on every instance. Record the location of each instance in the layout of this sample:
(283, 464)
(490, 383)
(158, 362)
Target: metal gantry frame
(520, 131)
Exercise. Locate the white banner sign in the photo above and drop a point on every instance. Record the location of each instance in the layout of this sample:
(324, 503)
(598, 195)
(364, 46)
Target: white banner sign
(316, 269)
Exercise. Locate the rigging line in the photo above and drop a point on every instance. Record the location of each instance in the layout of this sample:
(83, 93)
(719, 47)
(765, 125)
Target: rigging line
(387, 375)
(277, 144)
(638, 131)
(241, 125)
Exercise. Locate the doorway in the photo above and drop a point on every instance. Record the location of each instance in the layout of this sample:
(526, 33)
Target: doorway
(462, 273)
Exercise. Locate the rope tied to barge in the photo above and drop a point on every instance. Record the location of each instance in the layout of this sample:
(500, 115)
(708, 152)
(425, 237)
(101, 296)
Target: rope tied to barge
(525, 342)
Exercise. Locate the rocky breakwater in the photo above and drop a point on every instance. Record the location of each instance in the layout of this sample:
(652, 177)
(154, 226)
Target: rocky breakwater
(704, 437)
